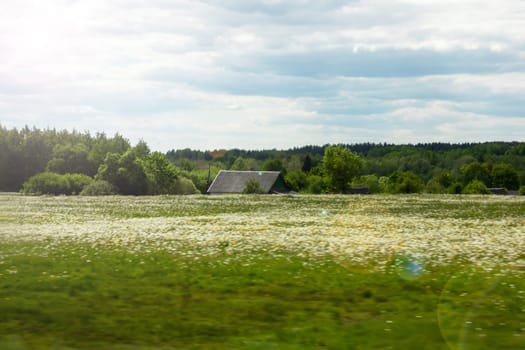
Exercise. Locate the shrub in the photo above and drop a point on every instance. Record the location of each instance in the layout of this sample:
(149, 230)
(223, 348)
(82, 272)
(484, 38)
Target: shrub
(317, 184)
(297, 180)
(369, 181)
(77, 182)
(455, 188)
(46, 183)
(98, 188)
(522, 190)
(200, 180)
(434, 186)
(53, 183)
(252, 187)
(404, 182)
(441, 183)
(476, 187)
(183, 186)
(125, 172)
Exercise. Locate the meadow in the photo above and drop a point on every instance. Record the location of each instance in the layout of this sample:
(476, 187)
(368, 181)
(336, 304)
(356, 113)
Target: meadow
(262, 272)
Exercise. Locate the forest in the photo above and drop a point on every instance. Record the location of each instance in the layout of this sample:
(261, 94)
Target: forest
(49, 161)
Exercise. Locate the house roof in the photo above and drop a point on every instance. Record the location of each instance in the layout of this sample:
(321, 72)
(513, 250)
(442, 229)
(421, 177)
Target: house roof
(500, 191)
(230, 181)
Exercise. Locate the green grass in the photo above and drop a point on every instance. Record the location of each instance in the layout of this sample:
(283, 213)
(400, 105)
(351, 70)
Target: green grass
(81, 298)
(75, 294)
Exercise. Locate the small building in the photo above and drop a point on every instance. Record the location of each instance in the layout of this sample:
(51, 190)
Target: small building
(233, 181)
(499, 191)
(359, 190)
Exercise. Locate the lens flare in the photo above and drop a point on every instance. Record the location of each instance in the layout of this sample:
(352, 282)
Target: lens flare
(408, 268)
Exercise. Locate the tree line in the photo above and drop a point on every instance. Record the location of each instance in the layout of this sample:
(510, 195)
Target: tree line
(380, 168)
(62, 162)
(71, 162)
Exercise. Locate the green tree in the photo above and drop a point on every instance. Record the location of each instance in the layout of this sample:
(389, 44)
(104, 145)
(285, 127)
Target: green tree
(439, 183)
(23, 153)
(71, 158)
(476, 187)
(241, 163)
(369, 181)
(108, 171)
(161, 173)
(125, 173)
(132, 177)
(504, 175)
(307, 164)
(297, 180)
(186, 164)
(404, 182)
(476, 171)
(317, 184)
(141, 149)
(274, 164)
(341, 166)
(102, 145)
(417, 164)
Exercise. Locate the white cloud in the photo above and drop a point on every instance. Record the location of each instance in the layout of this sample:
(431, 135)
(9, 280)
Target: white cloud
(233, 73)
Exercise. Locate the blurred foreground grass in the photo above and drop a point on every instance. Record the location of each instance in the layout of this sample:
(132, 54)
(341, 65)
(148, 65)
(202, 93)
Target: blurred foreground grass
(81, 298)
(89, 273)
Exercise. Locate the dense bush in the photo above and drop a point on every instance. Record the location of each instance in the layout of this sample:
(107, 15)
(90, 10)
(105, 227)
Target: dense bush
(183, 186)
(200, 177)
(317, 184)
(434, 186)
(274, 165)
(476, 187)
(98, 188)
(475, 171)
(77, 182)
(53, 183)
(441, 183)
(372, 182)
(455, 188)
(46, 183)
(404, 182)
(125, 172)
(522, 190)
(297, 180)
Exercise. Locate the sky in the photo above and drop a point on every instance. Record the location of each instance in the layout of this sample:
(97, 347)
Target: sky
(214, 74)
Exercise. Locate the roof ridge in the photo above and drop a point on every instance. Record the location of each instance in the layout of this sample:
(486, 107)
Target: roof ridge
(251, 171)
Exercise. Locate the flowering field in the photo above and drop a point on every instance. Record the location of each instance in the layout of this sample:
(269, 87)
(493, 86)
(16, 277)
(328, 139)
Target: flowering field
(294, 272)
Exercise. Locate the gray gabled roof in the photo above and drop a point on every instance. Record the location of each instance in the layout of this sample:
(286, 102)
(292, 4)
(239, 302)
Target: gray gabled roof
(230, 181)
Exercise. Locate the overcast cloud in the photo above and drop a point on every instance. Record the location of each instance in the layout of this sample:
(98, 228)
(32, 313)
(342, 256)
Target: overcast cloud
(265, 74)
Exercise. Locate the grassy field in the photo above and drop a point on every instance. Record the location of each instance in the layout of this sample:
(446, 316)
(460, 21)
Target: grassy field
(262, 272)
